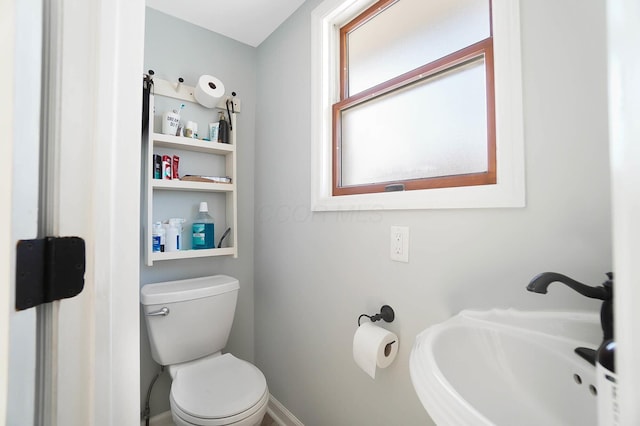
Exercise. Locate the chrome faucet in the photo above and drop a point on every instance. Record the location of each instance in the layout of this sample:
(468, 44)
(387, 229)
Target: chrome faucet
(540, 282)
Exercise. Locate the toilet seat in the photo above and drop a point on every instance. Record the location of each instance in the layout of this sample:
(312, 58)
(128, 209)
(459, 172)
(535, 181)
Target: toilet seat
(218, 391)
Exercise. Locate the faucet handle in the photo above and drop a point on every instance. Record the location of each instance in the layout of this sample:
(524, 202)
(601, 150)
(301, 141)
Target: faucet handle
(606, 311)
(609, 283)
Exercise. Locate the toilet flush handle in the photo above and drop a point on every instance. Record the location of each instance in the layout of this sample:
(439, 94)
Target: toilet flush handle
(161, 313)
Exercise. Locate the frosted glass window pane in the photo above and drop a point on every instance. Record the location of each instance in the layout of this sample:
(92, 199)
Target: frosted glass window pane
(412, 33)
(437, 127)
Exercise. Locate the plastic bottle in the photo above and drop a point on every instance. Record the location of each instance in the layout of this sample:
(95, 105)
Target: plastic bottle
(170, 122)
(607, 382)
(158, 237)
(202, 237)
(174, 234)
(223, 129)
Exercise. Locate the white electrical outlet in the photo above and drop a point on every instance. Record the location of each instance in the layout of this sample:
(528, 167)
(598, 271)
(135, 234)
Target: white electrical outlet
(400, 243)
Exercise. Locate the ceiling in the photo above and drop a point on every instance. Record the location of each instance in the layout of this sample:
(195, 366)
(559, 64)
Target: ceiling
(247, 21)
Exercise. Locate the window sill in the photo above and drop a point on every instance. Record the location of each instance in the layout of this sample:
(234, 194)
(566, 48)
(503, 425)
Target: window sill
(486, 196)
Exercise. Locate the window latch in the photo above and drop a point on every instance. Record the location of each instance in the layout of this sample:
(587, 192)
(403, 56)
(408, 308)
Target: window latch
(48, 269)
(394, 187)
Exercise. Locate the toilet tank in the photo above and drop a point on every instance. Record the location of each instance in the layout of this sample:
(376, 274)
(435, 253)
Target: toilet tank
(199, 319)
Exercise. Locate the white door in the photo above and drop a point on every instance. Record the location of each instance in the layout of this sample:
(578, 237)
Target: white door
(92, 87)
(19, 124)
(624, 118)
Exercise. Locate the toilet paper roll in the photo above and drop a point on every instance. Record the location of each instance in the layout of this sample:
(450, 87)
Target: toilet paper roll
(208, 91)
(374, 347)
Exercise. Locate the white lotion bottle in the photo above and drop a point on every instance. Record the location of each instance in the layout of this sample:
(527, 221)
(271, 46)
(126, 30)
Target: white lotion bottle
(173, 240)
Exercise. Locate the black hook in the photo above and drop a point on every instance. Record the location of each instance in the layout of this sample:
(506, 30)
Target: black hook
(386, 314)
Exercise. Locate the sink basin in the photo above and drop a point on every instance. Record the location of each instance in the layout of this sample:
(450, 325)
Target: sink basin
(507, 367)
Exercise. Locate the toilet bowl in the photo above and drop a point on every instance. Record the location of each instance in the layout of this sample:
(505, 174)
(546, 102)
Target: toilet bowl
(189, 323)
(220, 390)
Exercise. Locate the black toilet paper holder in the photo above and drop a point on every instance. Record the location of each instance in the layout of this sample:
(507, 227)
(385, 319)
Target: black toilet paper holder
(386, 314)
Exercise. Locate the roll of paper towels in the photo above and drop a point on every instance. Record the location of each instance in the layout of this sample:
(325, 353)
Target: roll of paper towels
(374, 347)
(208, 91)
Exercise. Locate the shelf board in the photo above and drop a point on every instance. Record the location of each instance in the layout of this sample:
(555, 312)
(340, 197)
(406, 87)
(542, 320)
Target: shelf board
(181, 185)
(191, 254)
(188, 144)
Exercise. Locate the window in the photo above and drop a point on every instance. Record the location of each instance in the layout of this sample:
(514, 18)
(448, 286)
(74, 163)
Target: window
(416, 108)
(441, 114)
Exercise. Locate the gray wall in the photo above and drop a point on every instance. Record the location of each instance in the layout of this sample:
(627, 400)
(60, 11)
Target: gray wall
(174, 48)
(316, 272)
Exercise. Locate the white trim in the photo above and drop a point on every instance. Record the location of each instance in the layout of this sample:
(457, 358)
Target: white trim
(116, 212)
(624, 131)
(510, 189)
(97, 348)
(280, 414)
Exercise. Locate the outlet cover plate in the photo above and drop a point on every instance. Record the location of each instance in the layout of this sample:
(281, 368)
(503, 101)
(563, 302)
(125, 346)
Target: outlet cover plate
(399, 244)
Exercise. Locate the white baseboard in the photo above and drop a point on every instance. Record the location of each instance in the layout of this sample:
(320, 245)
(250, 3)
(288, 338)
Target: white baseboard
(280, 414)
(276, 410)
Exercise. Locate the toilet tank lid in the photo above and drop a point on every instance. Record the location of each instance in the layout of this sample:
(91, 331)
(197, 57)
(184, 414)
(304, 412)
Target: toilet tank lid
(195, 288)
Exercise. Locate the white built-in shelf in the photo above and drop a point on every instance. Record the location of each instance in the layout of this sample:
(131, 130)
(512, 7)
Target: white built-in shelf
(192, 254)
(154, 141)
(188, 144)
(181, 185)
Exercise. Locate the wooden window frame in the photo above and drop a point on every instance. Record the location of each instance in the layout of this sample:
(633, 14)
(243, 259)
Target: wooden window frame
(483, 48)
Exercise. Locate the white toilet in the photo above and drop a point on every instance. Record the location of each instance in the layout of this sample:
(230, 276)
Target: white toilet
(189, 323)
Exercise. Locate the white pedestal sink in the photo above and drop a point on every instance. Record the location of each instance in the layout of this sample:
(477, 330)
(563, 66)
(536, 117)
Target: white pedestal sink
(506, 368)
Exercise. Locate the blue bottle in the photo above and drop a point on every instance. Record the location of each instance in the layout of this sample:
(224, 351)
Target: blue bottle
(203, 229)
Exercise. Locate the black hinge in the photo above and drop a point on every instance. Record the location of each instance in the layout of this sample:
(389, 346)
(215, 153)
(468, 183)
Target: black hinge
(48, 269)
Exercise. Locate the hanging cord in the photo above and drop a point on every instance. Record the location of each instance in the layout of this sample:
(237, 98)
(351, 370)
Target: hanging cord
(223, 237)
(229, 112)
(147, 90)
(147, 409)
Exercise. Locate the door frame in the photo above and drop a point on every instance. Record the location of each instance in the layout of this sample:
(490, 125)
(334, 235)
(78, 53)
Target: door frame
(95, 339)
(96, 92)
(624, 133)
